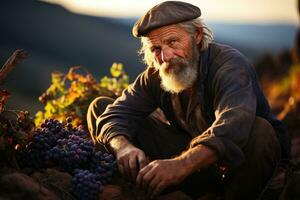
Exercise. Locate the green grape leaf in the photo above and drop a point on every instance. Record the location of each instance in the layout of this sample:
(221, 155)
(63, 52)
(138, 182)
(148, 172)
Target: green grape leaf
(116, 69)
(50, 108)
(71, 93)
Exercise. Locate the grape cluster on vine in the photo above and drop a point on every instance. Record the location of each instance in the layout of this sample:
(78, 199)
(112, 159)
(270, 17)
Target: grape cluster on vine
(68, 148)
(85, 185)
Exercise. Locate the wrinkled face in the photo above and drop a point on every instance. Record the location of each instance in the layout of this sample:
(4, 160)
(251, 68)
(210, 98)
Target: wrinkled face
(176, 56)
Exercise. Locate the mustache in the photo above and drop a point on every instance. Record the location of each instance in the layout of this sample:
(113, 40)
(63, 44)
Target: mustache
(180, 62)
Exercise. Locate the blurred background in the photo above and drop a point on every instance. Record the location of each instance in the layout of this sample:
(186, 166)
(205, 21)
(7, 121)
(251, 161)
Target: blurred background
(59, 34)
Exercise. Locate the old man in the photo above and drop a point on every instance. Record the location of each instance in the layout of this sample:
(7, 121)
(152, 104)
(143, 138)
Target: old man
(218, 135)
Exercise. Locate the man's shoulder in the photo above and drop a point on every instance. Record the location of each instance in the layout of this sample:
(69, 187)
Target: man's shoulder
(150, 73)
(222, 54)
(226, 61)
(149, 77)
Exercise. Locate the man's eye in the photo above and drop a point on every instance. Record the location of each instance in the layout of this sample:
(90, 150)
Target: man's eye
(156, 50)
(172, 42)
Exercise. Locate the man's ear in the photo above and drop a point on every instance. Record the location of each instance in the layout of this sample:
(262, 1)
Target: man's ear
(198, 35)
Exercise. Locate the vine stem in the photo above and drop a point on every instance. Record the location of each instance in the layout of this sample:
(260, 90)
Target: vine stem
(11, 62)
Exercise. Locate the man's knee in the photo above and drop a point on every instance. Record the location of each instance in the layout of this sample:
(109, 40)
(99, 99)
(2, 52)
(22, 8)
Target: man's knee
(262, 154)
(263, 140)
(96, 108)
(98, 105)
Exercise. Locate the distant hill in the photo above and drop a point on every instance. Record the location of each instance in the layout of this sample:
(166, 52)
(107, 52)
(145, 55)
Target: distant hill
(252, 39)
(57, 39)
(256, 39)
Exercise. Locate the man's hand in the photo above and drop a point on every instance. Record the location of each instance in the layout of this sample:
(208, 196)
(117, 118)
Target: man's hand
(159, 174)
(130, 159)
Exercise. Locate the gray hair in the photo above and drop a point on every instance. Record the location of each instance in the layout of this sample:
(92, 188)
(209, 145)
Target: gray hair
(190, 26)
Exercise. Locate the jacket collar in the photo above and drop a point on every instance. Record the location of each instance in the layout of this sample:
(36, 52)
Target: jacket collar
(198, 91)
(197, 95)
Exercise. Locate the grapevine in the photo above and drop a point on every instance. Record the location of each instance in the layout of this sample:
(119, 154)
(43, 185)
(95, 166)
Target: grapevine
(68, 148)
(70, 94)
(57, 139)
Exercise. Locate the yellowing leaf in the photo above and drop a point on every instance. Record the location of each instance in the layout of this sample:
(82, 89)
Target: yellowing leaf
(116, 69)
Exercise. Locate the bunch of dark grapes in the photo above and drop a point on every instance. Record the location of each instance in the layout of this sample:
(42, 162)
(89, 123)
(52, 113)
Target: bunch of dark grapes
(59, 144)
(44, 139)
(104, 166)
(36, 156)
(72, 152)
(85, 185)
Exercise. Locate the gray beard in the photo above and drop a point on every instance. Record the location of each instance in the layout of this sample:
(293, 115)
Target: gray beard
(176, 81)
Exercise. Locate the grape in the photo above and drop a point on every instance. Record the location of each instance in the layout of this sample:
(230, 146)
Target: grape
(69, 119)
(69, 148)
(85, 185)
(37, 150)
(103, 165)
(74, 152)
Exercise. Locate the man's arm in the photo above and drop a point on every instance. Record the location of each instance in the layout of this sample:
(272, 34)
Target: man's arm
(234, 103)
(123, 117)
(117, 126)
(235, 108)
(197, 158)
(159, 174)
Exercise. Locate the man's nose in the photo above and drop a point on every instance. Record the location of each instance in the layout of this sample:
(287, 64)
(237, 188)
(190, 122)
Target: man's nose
(167, 54)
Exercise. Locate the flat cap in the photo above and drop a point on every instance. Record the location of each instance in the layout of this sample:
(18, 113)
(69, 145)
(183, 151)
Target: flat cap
(166, 13)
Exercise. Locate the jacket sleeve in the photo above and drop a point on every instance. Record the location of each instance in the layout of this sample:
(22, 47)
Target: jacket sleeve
(235, 110)
(125, 114)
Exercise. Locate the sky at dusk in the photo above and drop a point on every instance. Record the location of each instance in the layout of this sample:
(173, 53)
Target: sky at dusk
(236, 11)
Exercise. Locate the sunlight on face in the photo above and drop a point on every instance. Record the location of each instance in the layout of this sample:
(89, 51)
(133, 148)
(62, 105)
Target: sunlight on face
(176, 57)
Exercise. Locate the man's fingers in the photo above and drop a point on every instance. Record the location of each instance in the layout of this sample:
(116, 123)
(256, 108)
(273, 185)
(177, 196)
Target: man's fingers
(130, 160)
(123, 167)
(133, 167)
(157, 190)
(152, 185)
(147, 178)
(140, 176)
(142, 161)
(127, 169)
(120, 167)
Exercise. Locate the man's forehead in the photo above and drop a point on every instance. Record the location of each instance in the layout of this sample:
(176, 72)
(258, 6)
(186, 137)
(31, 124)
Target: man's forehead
(165, 32)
